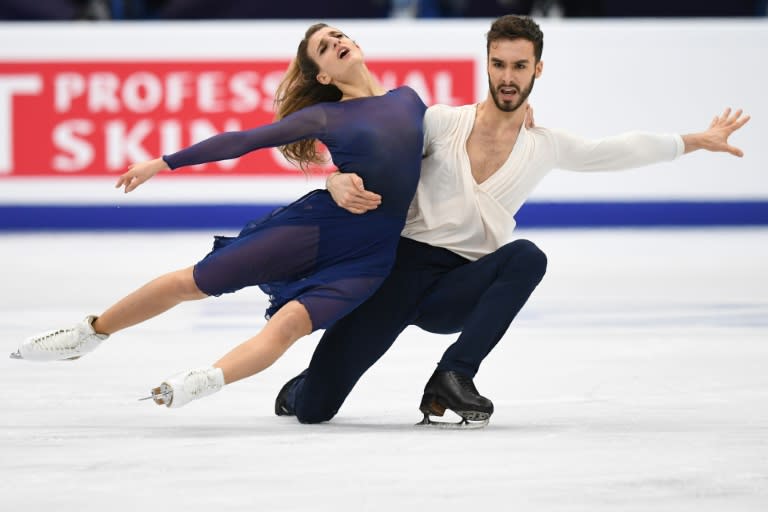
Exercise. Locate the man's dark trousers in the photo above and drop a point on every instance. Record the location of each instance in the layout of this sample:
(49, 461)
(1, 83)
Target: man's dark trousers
(432, 288)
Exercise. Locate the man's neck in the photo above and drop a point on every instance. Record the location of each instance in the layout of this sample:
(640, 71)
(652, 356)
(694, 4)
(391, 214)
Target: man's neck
(490, 117)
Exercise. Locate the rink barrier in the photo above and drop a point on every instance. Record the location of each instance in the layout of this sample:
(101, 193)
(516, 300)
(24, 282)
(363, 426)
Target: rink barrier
(532, 215)
(79, 103)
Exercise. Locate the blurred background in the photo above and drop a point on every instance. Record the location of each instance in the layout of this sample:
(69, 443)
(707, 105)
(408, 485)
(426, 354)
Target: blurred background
(88, 87)
(236, 9)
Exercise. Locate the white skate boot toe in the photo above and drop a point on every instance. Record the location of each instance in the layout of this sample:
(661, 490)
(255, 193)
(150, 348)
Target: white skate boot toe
(184, 387)
(61, 344)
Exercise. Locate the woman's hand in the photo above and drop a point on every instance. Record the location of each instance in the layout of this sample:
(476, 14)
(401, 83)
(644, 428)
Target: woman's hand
(139, 173)
(529, 122)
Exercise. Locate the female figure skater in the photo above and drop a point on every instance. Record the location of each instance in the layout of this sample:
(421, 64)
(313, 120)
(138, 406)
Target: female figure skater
(315, 260)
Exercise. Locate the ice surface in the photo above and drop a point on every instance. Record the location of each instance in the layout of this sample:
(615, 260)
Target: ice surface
(635, 379)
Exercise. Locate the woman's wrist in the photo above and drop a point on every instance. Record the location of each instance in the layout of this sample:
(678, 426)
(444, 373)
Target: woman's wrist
(163, 164)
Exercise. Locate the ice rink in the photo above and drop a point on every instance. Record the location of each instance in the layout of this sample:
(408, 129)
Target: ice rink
(636, 379)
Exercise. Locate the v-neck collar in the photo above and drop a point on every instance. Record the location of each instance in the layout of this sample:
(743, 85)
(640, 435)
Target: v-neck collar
(515, 149)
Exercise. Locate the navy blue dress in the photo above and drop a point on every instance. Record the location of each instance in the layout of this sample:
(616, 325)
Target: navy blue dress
(312, 250)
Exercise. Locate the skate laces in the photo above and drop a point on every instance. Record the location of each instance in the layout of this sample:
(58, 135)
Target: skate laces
(69, 339)
(53, 341)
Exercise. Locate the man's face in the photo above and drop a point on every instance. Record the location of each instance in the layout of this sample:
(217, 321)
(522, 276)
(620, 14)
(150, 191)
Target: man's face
(512, 70)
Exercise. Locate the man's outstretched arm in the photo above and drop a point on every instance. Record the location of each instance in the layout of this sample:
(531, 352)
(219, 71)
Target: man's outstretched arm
(348, 191)
(637, 149)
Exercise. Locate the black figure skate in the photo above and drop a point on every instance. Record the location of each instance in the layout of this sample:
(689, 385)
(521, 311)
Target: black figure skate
(284, 398)
(454, 391)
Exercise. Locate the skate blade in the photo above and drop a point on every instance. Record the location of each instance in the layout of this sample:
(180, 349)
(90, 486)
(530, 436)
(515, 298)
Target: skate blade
(427, 422)
(17, 355)
(161, 395)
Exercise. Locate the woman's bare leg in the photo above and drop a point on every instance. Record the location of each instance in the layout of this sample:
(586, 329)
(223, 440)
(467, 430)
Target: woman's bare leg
(155, 297)
(290, 323)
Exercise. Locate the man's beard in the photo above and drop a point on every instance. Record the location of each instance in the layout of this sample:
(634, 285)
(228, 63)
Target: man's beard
(508, 106)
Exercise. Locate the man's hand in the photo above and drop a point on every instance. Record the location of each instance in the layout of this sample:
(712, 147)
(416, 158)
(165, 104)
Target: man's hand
(348, 191)
(715, 138)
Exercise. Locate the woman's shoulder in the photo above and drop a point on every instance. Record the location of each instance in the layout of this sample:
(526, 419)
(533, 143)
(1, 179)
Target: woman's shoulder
(406, 90)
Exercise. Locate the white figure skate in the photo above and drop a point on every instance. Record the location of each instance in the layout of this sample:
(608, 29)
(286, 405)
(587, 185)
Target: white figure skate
(184, 387)
(61, 344)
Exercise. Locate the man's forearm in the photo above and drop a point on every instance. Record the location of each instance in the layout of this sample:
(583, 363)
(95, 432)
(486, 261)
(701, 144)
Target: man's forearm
(330, 176)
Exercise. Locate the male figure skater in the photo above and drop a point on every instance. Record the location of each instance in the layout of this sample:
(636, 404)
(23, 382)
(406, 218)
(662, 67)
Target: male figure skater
(455, 271)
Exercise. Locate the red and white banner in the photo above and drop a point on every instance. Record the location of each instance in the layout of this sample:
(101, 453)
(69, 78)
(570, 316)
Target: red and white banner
(78, 103)
(90, 118)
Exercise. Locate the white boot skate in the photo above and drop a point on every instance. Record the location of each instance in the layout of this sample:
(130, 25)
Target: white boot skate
(61, 344)
(184, 387)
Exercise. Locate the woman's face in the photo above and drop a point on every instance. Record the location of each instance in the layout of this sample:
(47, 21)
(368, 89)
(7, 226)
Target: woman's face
(334, 53)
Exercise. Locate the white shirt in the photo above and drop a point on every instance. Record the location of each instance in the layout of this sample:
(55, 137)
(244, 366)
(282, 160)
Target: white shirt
(451, 210)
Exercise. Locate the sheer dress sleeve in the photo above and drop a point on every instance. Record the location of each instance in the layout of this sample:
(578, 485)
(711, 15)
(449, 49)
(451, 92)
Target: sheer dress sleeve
(306, 123)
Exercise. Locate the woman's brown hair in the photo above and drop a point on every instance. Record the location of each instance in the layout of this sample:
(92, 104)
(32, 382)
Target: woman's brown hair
(299, 89)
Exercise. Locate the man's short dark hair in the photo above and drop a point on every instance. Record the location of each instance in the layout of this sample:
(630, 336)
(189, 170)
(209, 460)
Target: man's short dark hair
(516, 27)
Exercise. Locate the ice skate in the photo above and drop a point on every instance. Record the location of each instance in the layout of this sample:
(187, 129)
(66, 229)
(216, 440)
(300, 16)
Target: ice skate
(286, 396)
(184, 387)
(456, 392)
(61, 344)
